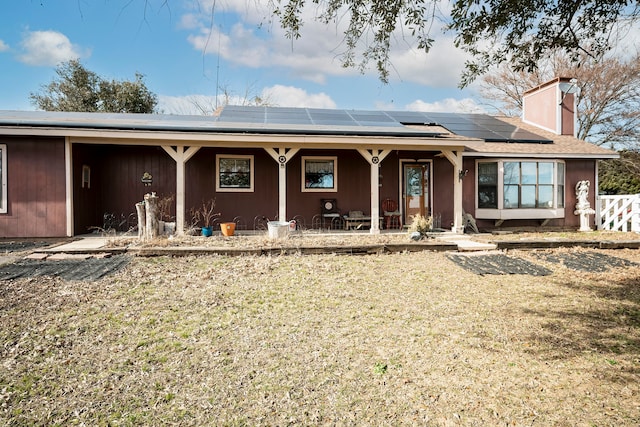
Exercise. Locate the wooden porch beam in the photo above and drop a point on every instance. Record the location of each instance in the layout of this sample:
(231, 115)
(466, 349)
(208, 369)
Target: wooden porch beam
(374, 157)
(455, 158)
(282, 155)
(68, 169)
(180, 155)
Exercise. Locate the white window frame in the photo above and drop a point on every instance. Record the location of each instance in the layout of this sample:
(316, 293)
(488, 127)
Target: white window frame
(4, 200)
(303, 168)
(250, 189)
(502, 213)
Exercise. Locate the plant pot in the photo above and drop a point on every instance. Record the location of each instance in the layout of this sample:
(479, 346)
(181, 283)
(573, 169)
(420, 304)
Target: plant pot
(228, 228)
(170, 228)
(207, 231)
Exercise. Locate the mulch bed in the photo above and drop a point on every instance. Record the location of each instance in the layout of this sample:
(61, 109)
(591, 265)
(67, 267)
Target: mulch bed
(500, 264)
(21, 246)
(592, 262)
(68, 269)
(495, 263)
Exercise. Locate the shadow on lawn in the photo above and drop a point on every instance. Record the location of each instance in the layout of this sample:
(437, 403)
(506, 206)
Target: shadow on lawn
(609, 326)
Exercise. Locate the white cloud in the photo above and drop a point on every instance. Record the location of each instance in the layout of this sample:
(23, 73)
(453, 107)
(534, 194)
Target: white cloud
(189, 21)
(198, 105)
(47, 48)
(441, 67)
(277, 96)
(289, 96)
(255, 41)
(3, 46)
(448, 105)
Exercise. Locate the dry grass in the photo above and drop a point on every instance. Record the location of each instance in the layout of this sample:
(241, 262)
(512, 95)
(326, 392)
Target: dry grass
(401, 339)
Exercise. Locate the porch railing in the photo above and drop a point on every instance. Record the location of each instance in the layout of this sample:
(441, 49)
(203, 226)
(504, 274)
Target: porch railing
(618, 213)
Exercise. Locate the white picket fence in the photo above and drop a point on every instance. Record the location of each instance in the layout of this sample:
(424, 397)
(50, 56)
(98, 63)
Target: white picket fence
(618, 213)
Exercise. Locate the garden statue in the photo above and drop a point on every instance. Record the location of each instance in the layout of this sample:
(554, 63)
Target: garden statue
(582, 205)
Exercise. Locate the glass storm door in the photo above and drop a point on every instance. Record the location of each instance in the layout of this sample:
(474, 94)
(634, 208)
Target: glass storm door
(416, 190)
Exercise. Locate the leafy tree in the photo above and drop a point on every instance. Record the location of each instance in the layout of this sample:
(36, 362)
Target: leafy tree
(79, 89)
(620, 176)
(492, 31)
(608, 97)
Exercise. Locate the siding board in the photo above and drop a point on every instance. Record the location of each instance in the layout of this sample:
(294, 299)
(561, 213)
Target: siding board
(33, 196)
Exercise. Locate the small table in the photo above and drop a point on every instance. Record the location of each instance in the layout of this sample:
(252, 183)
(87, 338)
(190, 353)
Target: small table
(351, 222)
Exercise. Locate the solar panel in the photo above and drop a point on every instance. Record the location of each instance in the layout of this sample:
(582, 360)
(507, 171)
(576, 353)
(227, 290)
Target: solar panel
(481, 126)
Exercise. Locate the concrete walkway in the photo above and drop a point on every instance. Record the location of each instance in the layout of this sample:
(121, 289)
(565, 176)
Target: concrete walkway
(84, 243)
(466, 243)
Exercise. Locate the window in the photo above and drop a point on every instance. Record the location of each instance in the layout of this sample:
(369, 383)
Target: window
(320, 174)
(3, 178)
(235, 173)
(521, 185)
(488, 185)
(528, 185)
(86, 176)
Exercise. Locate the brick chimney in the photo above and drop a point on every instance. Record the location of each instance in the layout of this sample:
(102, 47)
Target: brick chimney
(552, 106)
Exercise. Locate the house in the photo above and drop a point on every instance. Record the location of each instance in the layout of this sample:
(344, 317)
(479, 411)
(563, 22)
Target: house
(63, 173)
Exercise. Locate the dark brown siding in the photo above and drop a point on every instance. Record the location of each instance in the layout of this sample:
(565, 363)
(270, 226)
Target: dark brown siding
(116, 185)
(35, 188)
(354, 185)
(201, 186)
(578, 170)
(443, 191)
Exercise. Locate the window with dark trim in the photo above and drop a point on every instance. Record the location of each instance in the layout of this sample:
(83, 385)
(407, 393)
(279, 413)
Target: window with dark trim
(235, 172)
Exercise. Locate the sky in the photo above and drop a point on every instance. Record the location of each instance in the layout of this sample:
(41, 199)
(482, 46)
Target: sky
(191, 51)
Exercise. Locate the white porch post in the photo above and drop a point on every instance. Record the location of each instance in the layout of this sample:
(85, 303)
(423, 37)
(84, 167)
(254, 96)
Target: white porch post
(68, 170)
(180, 156)
(455, 158)
(282, 156)
(374, 157)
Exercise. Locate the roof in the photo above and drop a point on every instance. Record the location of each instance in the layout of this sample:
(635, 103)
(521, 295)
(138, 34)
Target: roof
(563, 146)
(478, 134)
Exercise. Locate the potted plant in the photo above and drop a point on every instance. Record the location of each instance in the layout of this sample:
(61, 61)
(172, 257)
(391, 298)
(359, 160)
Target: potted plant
(165, 223)
(205, 215)
(228, 228)
(420, 226)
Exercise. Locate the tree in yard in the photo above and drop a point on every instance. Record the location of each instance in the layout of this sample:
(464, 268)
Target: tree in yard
(620, 176)
(492, 31)
(608, 108)
(82, 90)
(208, 105)
(608, 97)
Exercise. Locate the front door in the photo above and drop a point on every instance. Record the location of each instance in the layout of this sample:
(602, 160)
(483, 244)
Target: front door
(416, 190)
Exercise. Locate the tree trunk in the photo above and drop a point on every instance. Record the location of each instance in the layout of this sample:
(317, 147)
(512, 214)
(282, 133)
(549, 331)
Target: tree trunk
(151, 206)
(140, 210)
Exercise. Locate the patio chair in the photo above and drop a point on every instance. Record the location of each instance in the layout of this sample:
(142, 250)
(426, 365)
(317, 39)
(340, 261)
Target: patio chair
(241, 224)
(300, 222)
(330, 212)
(391, 213)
